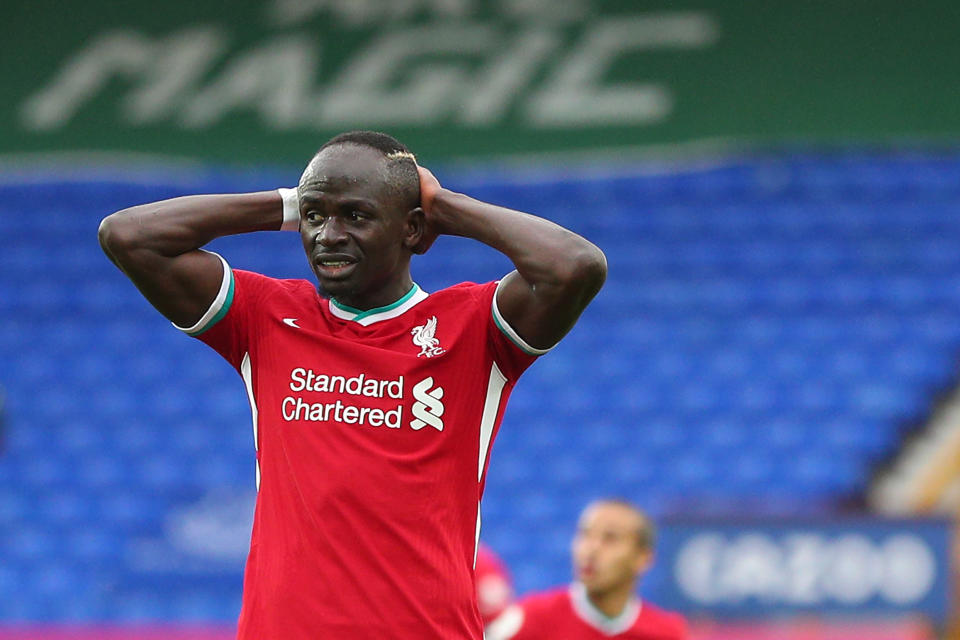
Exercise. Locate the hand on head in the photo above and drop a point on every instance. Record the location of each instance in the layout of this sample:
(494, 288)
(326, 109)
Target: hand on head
(429, 187)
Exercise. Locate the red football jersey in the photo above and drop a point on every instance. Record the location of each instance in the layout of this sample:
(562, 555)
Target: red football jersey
(372, 431)
(567, 614)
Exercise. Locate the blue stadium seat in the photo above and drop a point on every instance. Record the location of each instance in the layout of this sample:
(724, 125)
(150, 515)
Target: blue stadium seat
(770, 329)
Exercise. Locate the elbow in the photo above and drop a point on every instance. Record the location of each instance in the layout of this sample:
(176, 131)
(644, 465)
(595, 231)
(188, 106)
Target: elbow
(116, 234)
(105, 233)
(587, 271)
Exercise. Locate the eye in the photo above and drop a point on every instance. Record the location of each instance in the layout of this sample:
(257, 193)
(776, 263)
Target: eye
(312, 216)
(355, 216)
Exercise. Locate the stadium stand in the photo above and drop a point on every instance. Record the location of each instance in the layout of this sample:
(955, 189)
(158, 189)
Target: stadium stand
(771, 328)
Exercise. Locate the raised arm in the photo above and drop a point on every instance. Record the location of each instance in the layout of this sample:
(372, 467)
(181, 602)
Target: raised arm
(557, 271)
(157, 245)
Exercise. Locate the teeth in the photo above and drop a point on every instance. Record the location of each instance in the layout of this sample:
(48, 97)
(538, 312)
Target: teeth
(335, 264)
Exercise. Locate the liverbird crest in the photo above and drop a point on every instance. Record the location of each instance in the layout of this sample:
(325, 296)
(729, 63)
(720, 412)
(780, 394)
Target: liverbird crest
(425, 338)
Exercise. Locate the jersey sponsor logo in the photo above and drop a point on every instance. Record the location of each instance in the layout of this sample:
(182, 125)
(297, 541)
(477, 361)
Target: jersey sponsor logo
(424, 337)
(296, 408)
(302, 379)
(427, 410)
(291, 322)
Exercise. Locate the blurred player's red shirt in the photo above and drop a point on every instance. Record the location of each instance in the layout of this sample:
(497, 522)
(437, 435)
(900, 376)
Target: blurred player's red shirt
(567, 614)
(494, 587)
(372, 432)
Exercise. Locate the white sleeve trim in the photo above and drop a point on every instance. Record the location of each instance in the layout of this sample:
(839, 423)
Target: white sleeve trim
(216, 306)
(509, 331)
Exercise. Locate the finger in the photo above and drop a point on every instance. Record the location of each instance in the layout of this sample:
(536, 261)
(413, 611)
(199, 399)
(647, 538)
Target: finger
(426, 176)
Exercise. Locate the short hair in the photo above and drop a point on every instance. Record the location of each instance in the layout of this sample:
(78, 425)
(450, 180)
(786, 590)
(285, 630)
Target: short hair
(647, 533)
(401, 172)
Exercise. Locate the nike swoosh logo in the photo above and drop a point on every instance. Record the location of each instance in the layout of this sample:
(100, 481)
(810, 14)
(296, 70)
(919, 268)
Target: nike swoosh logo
(291, 322)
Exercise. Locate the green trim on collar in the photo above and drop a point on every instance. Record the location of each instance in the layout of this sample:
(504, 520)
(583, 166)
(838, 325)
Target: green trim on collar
(360, 315)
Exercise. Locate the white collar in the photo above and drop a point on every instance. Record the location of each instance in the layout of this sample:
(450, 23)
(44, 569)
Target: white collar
(368, 317)
(599, 620)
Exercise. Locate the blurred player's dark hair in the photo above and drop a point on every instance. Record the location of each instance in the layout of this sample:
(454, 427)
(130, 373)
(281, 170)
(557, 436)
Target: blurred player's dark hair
(646, 534)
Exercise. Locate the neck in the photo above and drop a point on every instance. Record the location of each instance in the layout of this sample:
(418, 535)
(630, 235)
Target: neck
(381, 297)
(611, 603)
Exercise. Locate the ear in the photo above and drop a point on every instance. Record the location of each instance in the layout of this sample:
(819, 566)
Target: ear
(643, 562)
(414, 228)
(424, 235)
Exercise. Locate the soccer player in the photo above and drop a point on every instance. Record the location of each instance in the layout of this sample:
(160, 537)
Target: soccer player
(374, 403)
(612, 549)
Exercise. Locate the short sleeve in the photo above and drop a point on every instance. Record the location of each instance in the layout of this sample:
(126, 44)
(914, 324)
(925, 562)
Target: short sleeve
(511, 352)
(228, 324)
(220, 305)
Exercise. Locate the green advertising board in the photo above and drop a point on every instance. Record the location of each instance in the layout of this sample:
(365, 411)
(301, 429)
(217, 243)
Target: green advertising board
(266, 81)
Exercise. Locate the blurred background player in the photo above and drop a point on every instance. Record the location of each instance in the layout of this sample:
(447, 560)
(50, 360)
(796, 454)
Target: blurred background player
(494, 585)
(612, 549)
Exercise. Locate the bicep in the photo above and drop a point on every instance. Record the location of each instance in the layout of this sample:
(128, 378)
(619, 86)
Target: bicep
(539, 315)
(181, 287)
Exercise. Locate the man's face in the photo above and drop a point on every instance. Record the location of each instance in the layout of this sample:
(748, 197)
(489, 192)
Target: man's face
(606, 553)
(353, 225)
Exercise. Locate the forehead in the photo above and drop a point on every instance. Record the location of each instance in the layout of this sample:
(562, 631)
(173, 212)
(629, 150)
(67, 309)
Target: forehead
(610, 517)
(347, 168)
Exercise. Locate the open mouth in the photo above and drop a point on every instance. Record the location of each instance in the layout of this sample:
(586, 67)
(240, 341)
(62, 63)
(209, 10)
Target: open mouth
(335, 265)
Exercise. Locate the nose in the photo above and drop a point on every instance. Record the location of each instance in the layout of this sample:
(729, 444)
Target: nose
(330, 233)
(589, 549)
(585, 547)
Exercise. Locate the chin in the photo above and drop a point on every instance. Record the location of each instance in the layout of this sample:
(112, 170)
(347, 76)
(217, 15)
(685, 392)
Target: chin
(595, 587)
(343, 295)
(336, 288)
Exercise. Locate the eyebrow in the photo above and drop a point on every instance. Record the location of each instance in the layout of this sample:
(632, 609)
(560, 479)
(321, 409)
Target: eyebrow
(316, 196)
(352, 201)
